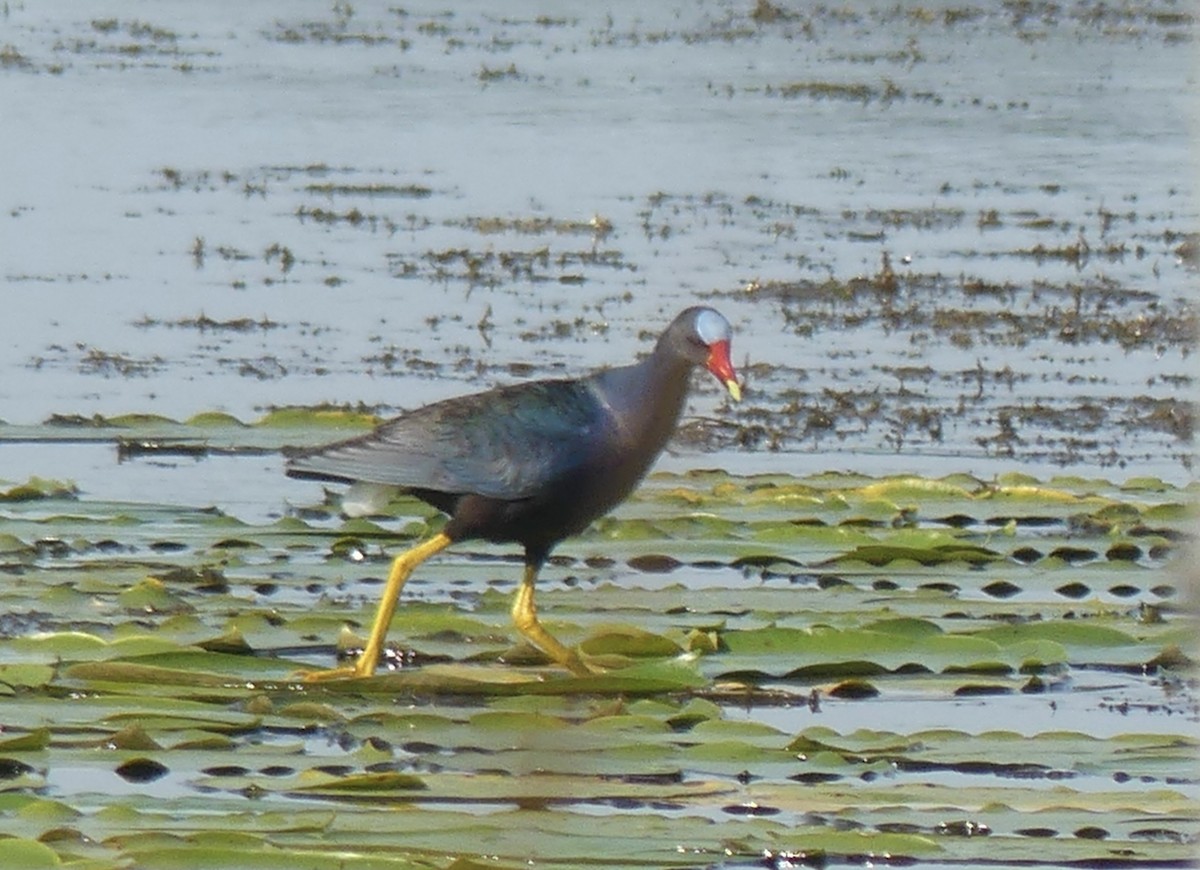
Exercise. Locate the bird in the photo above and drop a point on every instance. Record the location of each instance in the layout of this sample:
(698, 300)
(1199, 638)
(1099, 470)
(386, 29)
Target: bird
(530, 463)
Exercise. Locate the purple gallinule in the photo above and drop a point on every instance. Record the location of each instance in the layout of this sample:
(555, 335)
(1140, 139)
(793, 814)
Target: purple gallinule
(531, 463)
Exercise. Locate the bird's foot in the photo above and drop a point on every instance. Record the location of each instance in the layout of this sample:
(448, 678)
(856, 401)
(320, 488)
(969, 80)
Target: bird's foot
(577, 666)
(325, 676)
(554, 656)
(363, 667)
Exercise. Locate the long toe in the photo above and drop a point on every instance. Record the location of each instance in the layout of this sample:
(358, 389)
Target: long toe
(573, 663)
(325, 676)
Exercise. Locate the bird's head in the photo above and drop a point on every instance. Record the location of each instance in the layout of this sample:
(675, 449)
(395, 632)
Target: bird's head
(703, 336)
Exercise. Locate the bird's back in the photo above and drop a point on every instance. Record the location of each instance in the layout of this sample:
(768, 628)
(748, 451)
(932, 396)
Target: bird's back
(509, 443)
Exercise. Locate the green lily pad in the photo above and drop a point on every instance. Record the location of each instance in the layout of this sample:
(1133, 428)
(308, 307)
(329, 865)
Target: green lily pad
(475, 750)
(29, 854)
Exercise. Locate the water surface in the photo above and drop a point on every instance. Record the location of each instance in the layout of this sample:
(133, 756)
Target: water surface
(946, 235)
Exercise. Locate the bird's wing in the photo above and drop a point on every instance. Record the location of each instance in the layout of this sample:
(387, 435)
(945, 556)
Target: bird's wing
(506, 443)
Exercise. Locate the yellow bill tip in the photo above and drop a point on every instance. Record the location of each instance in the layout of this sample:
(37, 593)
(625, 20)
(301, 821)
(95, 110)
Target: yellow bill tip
(735, 390)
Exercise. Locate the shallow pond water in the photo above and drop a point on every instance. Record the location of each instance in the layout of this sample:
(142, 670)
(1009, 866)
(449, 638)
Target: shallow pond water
(945, 235)
(953, 239)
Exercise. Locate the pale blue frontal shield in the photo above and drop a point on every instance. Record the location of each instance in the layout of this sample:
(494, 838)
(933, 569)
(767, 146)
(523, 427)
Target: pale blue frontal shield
(711, 327)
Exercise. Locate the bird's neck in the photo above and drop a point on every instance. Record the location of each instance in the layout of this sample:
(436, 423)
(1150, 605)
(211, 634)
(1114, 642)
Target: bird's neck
(647, 398)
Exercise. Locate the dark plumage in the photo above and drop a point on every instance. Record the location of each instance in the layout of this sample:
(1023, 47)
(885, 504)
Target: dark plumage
(531, 463)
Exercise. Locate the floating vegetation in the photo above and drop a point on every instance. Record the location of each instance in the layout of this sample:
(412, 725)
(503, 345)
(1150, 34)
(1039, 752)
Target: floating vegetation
(495, 74)
(494, 268)
(1091, 313)
(11, 58)
(352, 216)
(204, 323)
(858, 92)
(597, 226)
(39, 488)
(376, 189)
(713, 725)
(101, 362)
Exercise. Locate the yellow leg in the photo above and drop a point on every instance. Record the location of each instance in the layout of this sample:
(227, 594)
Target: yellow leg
(402, 567)
(524, 614)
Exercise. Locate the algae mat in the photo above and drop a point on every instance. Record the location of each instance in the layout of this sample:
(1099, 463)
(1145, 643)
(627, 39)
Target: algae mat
(795, 670)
